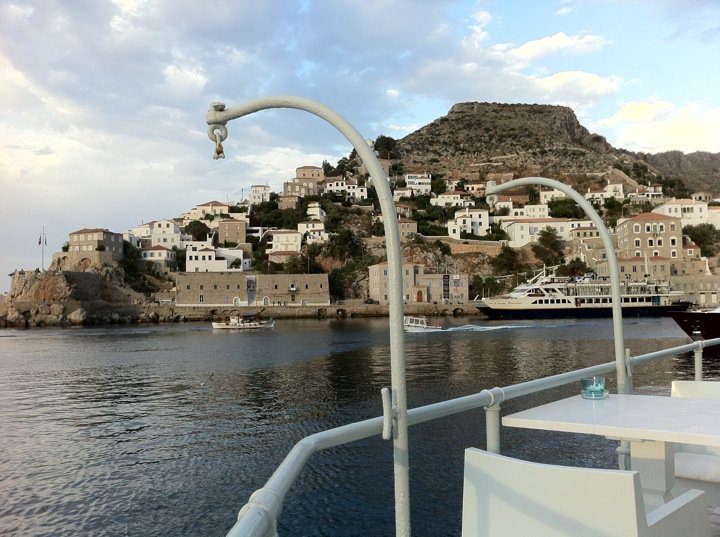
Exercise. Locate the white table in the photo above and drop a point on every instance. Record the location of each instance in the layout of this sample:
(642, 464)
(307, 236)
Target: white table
(650, 423)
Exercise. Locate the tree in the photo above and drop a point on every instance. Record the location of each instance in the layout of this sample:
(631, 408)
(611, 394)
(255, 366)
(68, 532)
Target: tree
(565, 208)
(549, 248)
(134, 268)
(437, 184)
(507, 261)
(198, 230)
(576, 267)
(705, 236)
(485, 286)
(344, 245)
(386, 148)
(673, 187)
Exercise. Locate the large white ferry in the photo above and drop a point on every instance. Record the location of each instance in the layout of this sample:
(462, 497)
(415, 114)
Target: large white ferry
(548, 296)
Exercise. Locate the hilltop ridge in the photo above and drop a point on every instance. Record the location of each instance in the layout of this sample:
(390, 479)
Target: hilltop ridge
(476, 138)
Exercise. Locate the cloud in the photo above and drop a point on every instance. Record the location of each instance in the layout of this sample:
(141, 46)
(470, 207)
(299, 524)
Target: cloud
(657, 126)
(560, 42)
(576, 87)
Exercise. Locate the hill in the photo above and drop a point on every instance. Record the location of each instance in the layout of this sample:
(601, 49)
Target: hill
(475, 139)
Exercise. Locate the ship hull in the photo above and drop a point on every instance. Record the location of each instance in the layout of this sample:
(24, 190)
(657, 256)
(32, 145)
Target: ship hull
(705, 324)
(578, 313)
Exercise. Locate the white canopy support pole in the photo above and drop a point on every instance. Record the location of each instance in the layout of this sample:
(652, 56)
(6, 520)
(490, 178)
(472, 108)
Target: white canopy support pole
(217, 117)
(623, 382)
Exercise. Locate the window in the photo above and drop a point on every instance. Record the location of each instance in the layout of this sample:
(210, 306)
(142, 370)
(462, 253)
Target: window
(651, 243)
(637, 243)
(673, 253)
(202, 298)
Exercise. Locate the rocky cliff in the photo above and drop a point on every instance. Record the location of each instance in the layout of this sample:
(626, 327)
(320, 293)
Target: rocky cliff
(64, 298)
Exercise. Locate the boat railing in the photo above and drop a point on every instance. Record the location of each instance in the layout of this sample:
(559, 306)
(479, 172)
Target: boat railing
(258, 518)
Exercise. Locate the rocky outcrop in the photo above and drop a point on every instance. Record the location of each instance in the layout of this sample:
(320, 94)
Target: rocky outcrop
(62, 298)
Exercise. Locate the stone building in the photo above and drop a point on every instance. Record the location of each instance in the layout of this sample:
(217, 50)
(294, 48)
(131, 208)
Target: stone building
(232, 231)
(419, 287)
(223, 289)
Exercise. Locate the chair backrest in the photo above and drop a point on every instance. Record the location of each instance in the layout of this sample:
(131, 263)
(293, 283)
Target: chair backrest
(699, 389)
(506, 497)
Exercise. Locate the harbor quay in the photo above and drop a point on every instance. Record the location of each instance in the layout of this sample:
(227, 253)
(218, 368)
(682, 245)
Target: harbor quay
(341, 309)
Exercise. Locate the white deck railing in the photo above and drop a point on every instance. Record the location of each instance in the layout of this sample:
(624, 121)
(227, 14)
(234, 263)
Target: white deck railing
(258, 518)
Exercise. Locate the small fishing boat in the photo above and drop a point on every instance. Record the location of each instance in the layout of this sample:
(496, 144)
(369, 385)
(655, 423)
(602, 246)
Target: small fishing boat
(699, 323)
(243, 322)
(419, 324)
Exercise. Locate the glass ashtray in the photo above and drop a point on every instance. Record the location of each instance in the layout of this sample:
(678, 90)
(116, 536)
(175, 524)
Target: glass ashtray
(603, 395)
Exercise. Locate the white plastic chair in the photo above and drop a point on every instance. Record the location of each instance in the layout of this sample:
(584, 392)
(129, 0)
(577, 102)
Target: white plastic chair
(698, 467)
(505, 497)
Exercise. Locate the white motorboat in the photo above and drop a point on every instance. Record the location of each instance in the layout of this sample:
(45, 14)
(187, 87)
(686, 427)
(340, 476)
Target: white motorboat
(240, 322)
(419, 324)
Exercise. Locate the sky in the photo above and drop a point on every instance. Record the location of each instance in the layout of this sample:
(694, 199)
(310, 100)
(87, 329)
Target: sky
(103, 102)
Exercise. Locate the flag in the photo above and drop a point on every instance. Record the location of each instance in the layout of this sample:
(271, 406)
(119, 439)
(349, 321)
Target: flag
(40, 240)
(46, 240)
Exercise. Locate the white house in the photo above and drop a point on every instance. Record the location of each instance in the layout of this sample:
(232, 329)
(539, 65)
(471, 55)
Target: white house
(315, 211)
(522, 231)
(160, 256)
(313, 231)
(200, 256)
(457, 198)
(612, 190)
(231, 255)
(547, 196)
(259, 194)
(475, 221)
(402, 192)
(419, 183)
(284, 240)
(205, 210)
(690, 212)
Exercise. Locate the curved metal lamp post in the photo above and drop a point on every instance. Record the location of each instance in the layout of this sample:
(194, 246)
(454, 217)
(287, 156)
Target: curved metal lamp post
(217, 117)
(623, 378)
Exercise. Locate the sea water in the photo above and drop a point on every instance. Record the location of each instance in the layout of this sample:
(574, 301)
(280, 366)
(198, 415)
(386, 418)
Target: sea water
(168, 429)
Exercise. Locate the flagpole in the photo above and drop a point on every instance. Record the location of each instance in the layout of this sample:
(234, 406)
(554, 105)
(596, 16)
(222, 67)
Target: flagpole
(43, 242)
